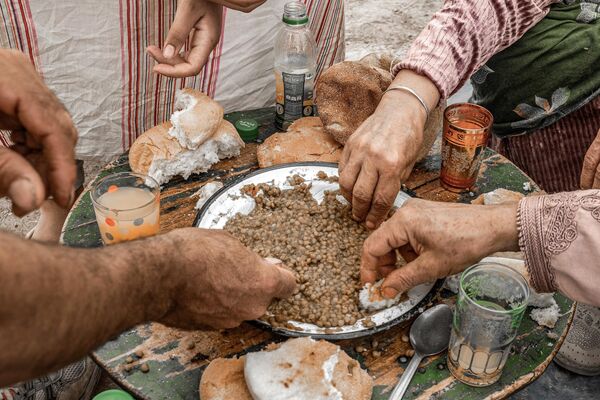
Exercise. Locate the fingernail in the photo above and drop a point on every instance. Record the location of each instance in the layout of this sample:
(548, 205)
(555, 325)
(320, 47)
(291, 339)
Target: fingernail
(23, 195)
(169, 51)
(389, 292)
(354, 217)
(274, 261)
(370, 225)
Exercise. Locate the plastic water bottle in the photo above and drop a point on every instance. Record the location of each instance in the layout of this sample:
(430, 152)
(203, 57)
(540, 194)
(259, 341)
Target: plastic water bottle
(295, 65)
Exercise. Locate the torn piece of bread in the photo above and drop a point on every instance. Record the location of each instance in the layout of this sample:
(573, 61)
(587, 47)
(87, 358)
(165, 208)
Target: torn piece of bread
(161, 156)
(498, 196)
(305, 140)
(223, 379)
(371, 298)
(305, 369)
(197, 118)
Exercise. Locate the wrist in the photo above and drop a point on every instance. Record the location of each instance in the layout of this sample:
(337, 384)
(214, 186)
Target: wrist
(152, 278)
(503, 220)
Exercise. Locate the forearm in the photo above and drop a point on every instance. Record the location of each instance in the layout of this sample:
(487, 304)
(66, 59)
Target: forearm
(240, 5)
(58, 303)
(464, 34)
(560, 236)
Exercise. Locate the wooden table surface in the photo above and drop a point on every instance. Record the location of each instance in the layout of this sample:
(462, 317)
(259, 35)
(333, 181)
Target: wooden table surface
(177, 358)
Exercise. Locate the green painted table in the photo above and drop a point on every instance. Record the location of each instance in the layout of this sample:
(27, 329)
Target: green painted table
(177, 358)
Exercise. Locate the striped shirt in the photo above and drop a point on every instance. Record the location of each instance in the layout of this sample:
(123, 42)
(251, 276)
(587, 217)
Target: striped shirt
(465, 34)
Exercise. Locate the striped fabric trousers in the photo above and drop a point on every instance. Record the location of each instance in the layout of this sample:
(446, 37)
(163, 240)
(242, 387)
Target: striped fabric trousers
(553, 156)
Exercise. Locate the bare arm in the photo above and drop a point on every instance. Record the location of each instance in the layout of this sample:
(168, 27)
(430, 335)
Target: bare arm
(460, 38)
(58, 303)
(240, 5)
(465, 34)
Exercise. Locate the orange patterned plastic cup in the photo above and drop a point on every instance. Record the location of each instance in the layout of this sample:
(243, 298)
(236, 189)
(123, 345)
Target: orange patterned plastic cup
(466, 131)
(127, 206)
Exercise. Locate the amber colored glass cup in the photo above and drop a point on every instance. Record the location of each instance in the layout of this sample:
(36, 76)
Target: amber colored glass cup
(466, 131)
(127, 206)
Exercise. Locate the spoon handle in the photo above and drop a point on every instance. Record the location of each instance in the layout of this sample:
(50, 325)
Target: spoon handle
(409, 372)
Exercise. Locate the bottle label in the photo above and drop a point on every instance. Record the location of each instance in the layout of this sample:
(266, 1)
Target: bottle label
(294, 100)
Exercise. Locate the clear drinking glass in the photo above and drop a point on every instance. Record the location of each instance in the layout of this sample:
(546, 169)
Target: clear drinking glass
(127, 206)
(490, 306)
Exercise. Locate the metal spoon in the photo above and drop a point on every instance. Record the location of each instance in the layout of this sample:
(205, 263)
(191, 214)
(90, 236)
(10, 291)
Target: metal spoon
(429, 335)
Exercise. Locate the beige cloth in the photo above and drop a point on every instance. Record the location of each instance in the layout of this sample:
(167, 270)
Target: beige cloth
(560, 236)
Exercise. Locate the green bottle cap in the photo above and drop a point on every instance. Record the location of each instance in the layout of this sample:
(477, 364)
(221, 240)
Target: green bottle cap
(247, 128)
(113, 394)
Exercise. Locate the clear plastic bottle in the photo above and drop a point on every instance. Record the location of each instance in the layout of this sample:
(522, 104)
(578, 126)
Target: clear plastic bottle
(295, 65)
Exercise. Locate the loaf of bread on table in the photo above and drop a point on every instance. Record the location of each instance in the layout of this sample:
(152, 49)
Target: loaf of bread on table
(161, 156)
(223, 379)
(349, 92)
(305, 140)
(298, 369)
(196, 119)
(305, 369)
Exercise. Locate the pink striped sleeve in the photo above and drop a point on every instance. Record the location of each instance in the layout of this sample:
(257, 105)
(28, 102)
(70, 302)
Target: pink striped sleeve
(464, 34)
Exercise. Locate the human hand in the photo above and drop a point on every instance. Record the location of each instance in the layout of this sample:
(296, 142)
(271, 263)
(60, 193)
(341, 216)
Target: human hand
(590, 173)
(203, 20)
(380, 155)
(437, 240)
(42, 160)
(382, 152)
(220, 282)
(240, 5)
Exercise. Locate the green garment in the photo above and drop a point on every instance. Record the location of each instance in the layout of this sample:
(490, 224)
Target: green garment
(553, 70)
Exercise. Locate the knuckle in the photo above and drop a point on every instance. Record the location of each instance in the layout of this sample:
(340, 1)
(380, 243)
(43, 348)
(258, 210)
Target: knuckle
(361, 196)
(382, 203)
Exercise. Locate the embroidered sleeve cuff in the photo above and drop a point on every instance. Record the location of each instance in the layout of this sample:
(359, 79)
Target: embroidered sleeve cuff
(530, 224)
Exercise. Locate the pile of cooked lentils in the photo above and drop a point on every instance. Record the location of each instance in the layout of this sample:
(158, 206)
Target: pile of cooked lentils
(321, 243)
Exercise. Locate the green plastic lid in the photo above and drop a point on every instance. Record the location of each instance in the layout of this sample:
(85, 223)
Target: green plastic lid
(247, 128)
(113, 394)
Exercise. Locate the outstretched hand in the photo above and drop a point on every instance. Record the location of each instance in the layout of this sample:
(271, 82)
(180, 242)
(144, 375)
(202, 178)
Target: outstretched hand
(202, 20)
(437, 240)
(41, 162)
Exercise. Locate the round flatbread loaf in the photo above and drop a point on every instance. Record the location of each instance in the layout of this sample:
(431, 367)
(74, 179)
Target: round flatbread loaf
(347, 94)
(305, 369)
(305, 140)
(223, 379)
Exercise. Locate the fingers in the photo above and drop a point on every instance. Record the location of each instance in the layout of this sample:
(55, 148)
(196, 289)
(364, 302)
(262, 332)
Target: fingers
(591, 164)
(349, 170)
(188, 13)
(364, 188)
(204, 19)
(380, 244)
(403, 279)
(383, 200)
(285, 282)
(20, 182)
(240, 5)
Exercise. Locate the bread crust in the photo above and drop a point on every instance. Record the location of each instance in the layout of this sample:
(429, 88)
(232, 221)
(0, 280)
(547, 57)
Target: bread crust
(349, 92)
(154, 143)
(197, 123)
(224, 379)
(305, 140)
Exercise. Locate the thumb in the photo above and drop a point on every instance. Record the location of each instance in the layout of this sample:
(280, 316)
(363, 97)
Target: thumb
(188, 13)
(405, 278)
(285, 281)
(20, 182)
